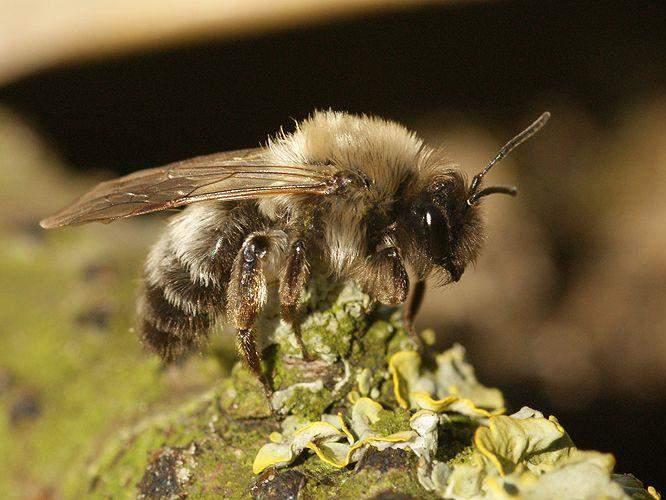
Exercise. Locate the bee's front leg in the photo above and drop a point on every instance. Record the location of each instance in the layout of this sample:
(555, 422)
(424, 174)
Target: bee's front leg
(294, 277)
(246, 296)
(386, 280)
(411, 309)
(385, 277)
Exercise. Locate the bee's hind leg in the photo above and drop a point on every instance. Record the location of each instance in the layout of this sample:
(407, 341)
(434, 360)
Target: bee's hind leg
(294, 277)
(246, 296)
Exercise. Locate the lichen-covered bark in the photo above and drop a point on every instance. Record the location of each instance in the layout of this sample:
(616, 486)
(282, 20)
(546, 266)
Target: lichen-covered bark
(373, 419)
(207, 446)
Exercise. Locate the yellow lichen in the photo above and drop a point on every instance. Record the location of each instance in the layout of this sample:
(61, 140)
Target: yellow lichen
(325, 438)
(454, 380)
(424, 401)
(404, 368)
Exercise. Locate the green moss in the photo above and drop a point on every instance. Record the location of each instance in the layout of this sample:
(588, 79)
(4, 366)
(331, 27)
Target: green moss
(308, 404)
(458, 434)
(50, 348)
(227, 426)
(224, 462)
(69, 345)
(400, 341)
(459, 453)
(325, 339)
(336, 321)
(371, 347)
(390, 472)
(392, 421)
(222, 450)
(287, 370)
(242, 395)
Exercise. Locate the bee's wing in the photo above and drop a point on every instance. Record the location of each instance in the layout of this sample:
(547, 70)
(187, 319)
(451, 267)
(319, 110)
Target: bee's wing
(233, 175)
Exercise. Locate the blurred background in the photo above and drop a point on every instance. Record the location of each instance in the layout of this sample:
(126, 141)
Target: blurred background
(565, 310)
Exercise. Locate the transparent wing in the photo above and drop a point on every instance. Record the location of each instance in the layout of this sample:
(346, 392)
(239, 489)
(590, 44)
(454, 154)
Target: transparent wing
(233, 175)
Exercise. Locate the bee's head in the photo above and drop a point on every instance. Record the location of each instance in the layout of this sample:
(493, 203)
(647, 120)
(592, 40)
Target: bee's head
(446, 232)
(444, 221)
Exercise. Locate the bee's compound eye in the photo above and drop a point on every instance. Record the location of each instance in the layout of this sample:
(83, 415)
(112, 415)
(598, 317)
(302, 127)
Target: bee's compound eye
(436, 232)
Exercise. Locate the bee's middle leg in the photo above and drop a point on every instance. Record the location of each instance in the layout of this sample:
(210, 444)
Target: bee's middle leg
(246, 296)
(295, 275)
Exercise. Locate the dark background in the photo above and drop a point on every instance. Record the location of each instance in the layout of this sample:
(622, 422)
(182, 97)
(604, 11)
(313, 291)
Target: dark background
(499, 63)
(491, 58)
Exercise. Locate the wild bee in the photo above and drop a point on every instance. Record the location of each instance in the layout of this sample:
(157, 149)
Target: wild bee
(360, 196)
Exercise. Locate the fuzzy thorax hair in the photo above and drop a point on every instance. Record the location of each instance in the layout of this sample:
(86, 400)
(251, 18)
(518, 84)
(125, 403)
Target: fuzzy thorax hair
(392, 160)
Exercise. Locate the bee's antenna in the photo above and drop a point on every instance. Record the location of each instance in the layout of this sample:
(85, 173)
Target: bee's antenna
(506, 149)
(510, 190)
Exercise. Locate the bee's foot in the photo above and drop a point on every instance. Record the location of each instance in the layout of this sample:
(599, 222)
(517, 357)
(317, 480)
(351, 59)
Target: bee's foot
(415, 338)
(268, 388)
(305, 352)
(308, 357)
(269, 399)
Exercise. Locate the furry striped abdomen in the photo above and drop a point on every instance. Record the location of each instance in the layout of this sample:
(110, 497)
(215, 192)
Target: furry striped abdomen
(175, 312)
(186, 276)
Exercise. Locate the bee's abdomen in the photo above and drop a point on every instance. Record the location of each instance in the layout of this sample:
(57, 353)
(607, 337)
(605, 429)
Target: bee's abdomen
(187, 273)
(168, 330)
(176, 310)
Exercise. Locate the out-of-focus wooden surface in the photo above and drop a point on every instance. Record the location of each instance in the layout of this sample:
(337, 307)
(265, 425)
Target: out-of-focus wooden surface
(36, 34)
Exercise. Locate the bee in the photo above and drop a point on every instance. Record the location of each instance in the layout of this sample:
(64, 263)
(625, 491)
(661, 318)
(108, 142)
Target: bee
(360, 197)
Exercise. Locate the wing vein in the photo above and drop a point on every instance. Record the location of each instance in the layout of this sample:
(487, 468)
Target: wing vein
(245, 175)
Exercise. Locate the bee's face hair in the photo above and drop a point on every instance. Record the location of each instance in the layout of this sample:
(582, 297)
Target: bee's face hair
(444, 232)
